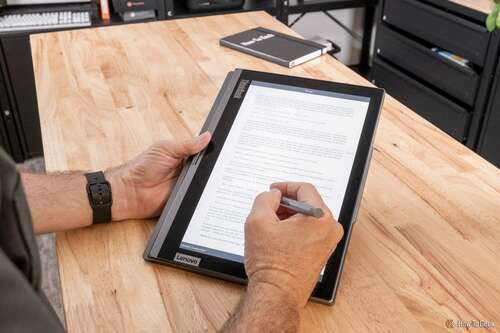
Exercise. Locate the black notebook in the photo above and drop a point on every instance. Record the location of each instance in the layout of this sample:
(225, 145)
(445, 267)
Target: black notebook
(276, 47)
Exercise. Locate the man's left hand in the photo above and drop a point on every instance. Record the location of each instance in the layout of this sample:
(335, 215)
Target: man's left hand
(142, 186)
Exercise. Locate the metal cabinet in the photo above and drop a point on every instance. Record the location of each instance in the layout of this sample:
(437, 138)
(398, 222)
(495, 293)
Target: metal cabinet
(19, 70)
(489, 141)
(20, 132)
(9, 129)
(440, 111)
(451, 96)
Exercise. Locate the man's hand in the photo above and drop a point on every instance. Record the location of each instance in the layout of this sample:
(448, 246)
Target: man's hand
(142, 186)
(288, 250)
(284, 255)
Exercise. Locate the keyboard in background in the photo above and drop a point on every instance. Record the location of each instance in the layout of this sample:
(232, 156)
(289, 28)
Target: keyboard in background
(45, 18)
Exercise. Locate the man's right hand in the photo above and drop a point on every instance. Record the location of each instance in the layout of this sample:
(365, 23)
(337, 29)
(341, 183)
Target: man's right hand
(284, 255)
(285, 251)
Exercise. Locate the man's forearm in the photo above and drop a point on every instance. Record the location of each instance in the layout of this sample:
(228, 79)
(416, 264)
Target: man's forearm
(265, 308)
(59, 201)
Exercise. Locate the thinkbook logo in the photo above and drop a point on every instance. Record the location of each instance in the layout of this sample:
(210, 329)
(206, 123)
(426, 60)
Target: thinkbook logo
(241, 89)
(185, 259)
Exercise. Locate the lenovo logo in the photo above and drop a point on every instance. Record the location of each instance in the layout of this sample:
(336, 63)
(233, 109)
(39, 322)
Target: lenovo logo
(188, 260)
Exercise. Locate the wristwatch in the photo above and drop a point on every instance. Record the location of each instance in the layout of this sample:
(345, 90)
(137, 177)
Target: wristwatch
(100, 198)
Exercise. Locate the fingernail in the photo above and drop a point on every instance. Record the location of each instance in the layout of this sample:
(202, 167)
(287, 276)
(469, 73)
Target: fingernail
(202, 137)
(275, 190)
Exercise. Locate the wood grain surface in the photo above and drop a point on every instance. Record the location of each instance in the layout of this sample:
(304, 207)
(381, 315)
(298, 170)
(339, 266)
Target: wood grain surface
(484, 6)
(426, 245)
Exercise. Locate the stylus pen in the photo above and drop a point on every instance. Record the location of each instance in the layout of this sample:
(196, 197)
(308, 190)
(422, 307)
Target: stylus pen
(301, 207)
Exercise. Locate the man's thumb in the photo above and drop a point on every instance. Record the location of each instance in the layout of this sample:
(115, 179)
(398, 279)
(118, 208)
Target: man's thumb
(267, 202)
(185, 148)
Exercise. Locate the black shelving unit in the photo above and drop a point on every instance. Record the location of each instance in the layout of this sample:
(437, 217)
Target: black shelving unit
(452, 96)
(282, 9)
(287, 7)
(180, 9)
(301, 6)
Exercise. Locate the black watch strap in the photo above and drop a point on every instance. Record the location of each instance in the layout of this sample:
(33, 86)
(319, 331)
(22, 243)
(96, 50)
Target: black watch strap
(100, 198)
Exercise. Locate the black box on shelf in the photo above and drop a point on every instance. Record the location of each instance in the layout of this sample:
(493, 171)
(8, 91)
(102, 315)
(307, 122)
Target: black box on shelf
(211, 5)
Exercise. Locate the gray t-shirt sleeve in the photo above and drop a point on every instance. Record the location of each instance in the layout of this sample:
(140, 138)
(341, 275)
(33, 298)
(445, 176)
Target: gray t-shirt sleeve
(23, 306)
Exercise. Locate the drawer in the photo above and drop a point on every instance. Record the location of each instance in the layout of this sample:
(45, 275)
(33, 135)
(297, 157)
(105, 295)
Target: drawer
(445, 30)
(440, 111)
(461, 83)
(489, 142)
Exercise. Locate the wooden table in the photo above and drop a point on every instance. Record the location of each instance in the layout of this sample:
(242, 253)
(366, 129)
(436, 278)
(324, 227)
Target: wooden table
(484, 6)
(425, 248)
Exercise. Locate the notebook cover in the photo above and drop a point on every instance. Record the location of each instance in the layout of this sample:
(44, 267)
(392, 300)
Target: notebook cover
(273, 46)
